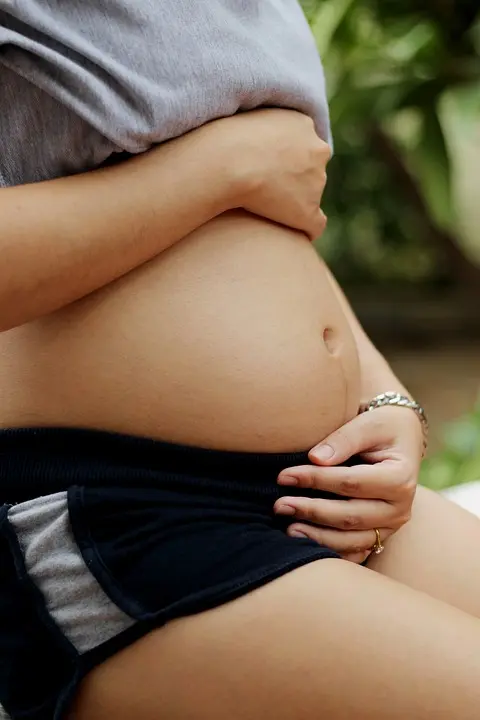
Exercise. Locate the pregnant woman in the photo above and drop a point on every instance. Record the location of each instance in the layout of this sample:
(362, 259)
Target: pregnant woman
(171, 348)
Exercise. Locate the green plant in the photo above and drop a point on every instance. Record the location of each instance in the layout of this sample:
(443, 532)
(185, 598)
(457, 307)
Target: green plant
(459, 460)
(404, 94)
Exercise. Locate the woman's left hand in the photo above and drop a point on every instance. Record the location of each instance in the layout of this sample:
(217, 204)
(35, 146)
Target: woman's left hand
(381, 491)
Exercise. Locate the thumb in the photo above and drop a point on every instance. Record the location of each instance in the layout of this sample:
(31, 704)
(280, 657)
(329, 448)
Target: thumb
(356, 436)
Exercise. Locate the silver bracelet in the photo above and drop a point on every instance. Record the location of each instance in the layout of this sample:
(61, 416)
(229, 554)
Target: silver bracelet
(394, 398)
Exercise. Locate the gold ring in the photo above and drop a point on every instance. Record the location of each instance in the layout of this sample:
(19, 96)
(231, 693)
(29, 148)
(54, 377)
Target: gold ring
(377, 547)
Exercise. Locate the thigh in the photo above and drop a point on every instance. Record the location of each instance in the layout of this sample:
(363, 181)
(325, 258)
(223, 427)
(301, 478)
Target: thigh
(331, 639)
(437, 552)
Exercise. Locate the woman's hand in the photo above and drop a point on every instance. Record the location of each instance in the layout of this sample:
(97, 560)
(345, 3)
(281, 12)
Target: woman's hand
(380, 492)
(279, 163)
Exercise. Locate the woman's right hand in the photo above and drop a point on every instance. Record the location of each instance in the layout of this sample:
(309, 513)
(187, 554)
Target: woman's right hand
(279, 164)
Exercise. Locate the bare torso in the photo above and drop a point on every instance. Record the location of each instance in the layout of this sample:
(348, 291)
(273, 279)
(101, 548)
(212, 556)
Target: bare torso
(232, 339)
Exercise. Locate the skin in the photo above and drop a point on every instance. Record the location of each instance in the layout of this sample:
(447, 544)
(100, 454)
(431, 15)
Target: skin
(217, 342)
(380, 491)
(331, 639)
(269, 162)
(292, 647)
(390, 441)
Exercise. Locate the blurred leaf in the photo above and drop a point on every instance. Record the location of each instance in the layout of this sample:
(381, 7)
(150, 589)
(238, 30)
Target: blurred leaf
(459, 114)
(462, 437)
(328, 18)
(392, 64)
(459, 461)
(431, 167)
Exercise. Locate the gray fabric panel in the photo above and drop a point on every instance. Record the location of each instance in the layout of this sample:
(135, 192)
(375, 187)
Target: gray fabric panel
(73, 596)
(3, 714)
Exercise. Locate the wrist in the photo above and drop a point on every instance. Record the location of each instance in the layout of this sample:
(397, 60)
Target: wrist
(236, 166)
(192, 172)
(394, 399)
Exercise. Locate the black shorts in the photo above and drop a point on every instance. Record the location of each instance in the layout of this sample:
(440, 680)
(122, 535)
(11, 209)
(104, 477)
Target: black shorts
(104, 537)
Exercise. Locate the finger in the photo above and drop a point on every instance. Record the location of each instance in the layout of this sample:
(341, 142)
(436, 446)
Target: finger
(383, 480)
(341, 514)
(366, 432)
(344, 542)
(318, 225)
(325, 151)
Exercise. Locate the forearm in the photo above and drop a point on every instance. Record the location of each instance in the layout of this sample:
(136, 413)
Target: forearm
(63, 239)
(376, 374)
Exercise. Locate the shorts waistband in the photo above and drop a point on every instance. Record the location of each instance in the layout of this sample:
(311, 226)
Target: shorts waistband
(41, 461)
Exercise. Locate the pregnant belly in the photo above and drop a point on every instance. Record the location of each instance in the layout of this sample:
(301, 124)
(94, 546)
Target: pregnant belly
(232, 339)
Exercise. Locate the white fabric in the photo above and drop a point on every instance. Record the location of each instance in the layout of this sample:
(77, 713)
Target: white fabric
(467, 496)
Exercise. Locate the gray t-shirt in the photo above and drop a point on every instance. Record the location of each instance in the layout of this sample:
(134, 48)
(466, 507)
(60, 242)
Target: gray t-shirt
(83, 79)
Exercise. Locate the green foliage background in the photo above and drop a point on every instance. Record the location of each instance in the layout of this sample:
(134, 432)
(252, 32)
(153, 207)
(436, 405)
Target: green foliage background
(404, 92)
(459, 461)
(404, 186)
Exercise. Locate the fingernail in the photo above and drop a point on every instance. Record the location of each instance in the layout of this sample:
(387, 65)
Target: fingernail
(285, 510)
(287, 480)
(323, 452)
(298, 534)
